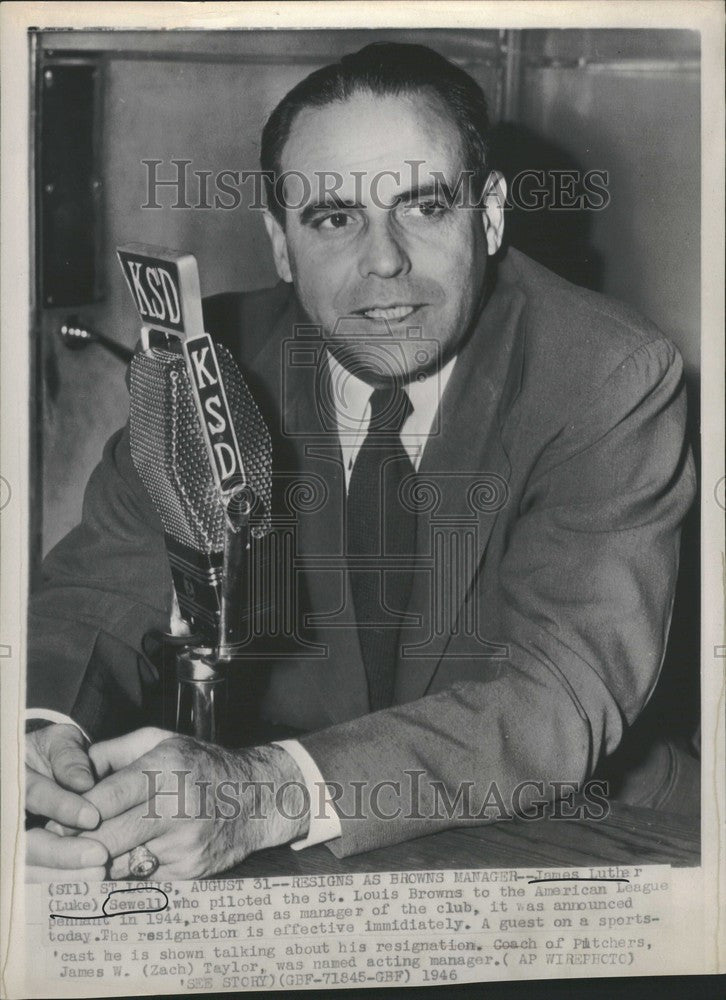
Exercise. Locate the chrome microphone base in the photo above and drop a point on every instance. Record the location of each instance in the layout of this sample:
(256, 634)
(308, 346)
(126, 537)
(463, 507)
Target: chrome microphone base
(201, 700)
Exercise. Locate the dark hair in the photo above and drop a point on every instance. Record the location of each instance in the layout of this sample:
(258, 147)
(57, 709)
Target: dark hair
(383, 68)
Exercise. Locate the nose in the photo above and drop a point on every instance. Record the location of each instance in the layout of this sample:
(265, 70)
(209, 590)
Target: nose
(382, 254)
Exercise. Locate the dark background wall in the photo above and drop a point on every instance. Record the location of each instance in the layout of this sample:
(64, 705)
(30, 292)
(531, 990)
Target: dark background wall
(624, 102)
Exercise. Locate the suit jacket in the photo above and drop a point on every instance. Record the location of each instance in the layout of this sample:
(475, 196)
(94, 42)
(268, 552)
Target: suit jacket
(549, 499)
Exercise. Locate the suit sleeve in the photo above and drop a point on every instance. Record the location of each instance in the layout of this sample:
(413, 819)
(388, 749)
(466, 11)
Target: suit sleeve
(583, 605)
(102, 588)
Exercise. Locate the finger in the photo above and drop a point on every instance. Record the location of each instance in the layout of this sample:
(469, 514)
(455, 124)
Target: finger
(51, 851)
(133, 785)
(120, 866)
(35, 873)
(45, 798)
(122, 833)
(176, 858)
(164, 848)
(112, 755)
(60, 830)
(69, 761)
(121, 869)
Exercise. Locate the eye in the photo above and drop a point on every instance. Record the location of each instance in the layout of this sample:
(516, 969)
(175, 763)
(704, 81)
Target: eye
(425, 209)
(337, 220)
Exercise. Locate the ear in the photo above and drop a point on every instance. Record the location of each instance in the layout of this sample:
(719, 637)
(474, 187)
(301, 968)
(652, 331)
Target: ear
(279, 246)
(495, 196)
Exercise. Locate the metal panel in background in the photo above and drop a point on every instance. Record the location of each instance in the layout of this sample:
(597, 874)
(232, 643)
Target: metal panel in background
(68, 183)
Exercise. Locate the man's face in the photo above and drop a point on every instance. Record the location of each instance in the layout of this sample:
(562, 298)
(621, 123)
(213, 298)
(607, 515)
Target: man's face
(381, 255)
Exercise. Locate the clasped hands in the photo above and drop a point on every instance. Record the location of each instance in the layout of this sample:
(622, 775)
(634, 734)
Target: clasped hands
(198, 807)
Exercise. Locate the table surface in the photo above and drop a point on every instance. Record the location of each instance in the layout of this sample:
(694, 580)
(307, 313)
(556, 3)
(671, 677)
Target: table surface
(628, 836)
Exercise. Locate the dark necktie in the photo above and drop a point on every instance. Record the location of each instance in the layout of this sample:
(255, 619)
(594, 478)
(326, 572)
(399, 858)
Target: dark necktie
(381, 529)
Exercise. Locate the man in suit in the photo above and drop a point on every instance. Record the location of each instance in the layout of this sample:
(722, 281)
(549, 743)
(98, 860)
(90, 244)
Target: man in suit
(486, 562)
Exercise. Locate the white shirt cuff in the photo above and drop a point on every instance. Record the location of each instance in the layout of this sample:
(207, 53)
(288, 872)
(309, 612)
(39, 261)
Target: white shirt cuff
(50, 715)
(324, 821)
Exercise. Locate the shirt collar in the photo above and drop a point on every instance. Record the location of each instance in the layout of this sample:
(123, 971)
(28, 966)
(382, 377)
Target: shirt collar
(352, 395)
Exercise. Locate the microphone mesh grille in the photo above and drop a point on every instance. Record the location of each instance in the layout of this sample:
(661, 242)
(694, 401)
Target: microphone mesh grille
(170, 455)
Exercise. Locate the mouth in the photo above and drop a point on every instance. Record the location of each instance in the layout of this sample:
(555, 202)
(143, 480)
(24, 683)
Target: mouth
(389, 314)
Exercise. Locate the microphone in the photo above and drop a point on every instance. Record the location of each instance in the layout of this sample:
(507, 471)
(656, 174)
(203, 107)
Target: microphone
(204, 455)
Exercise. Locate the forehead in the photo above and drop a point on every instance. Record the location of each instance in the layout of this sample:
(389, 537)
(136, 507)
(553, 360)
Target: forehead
(371, 133)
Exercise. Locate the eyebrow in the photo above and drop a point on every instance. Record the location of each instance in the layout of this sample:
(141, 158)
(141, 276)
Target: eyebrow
(335, 202)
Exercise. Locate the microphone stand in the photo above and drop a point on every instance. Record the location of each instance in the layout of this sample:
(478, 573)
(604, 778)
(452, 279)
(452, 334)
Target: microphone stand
(201, 671)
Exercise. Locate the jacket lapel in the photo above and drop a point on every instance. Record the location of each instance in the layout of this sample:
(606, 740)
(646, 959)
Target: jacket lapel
(462, 483)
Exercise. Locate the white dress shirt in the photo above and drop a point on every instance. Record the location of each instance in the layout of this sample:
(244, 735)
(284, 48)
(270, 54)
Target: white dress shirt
(352, 406)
